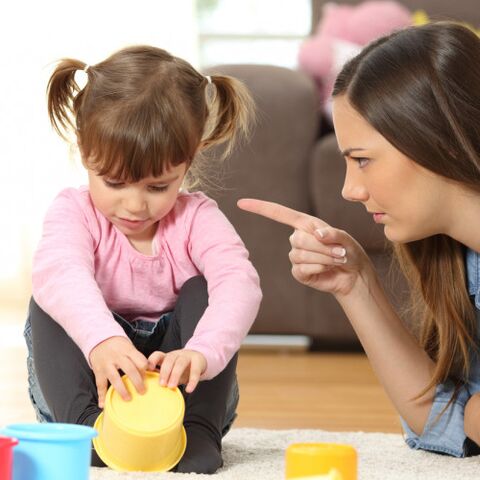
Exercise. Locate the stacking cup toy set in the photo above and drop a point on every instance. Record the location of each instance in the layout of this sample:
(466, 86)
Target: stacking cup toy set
(143, 434)
(6, 455)
(47, 451)
(320, 461)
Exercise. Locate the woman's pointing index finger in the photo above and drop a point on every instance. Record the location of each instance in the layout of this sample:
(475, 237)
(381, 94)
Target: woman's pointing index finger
(281, 214)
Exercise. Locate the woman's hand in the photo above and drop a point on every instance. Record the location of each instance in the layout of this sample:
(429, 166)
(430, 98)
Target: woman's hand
(178, 367)
(113, 354)
(322, 257)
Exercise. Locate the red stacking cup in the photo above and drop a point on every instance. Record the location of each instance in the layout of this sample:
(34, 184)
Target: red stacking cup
(6, 446)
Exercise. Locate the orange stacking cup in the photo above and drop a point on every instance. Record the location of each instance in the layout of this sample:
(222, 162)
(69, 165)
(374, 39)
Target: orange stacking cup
(325, 460)
(143, 434)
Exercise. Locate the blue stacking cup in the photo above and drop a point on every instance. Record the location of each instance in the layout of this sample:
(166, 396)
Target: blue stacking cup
(51, 451)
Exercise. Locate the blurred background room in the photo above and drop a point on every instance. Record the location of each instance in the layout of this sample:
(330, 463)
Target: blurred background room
(302, 367)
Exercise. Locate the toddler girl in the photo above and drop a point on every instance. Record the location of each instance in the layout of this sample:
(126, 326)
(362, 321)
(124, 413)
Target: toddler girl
(133, 273)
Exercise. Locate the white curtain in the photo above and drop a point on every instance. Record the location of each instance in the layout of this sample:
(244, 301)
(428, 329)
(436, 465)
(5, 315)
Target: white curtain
(35, 164)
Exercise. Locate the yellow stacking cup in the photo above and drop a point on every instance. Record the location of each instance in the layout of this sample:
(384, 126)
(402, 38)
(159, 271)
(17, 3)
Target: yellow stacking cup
(144, 434)
(321, 460)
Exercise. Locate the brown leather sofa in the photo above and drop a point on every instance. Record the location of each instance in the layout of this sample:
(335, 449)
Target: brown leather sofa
(292, 158)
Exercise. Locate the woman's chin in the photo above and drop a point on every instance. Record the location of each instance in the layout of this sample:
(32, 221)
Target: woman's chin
(398, 237)
(393, 236)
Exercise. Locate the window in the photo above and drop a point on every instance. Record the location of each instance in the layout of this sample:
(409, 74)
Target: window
(252, 31)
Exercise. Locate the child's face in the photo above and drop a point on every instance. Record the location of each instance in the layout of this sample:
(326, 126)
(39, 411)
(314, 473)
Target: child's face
(135, 208)
(410, 201)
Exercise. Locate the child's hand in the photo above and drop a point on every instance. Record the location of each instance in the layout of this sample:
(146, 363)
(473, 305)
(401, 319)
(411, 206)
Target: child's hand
(113, 354)
(179, 367)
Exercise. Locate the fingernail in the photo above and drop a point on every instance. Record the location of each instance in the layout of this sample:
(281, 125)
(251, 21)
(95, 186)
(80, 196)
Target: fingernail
(322, 232)
(340, 260)
(340, 251)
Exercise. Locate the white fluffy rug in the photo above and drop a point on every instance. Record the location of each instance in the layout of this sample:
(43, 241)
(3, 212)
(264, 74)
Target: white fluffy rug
(259, 454)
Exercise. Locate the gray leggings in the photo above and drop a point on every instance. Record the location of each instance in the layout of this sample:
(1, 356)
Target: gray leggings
(62, 385)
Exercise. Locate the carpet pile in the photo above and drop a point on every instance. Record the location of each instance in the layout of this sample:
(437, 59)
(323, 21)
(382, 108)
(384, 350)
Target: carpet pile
(259, 454)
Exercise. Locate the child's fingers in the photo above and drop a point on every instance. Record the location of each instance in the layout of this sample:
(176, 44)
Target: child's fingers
(136, 377)
(139, 360)
(156, 358)
(166, 368)
(102, 385)
(195, 373)
(118, 385)
(176, 376)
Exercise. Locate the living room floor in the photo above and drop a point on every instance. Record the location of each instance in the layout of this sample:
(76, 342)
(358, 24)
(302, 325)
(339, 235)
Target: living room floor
(279, 389)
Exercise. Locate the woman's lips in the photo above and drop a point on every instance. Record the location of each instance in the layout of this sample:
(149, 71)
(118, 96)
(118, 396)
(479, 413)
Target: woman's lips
(377, 217)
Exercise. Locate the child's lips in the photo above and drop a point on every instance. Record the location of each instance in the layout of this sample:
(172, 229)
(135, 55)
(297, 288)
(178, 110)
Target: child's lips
(133, 224)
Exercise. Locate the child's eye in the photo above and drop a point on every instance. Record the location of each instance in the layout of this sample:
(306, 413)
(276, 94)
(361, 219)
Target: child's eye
(158, 188)
(361, 161)
(112, 184)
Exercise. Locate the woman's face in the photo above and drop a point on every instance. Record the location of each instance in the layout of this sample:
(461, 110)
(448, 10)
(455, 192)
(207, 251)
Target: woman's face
(406, 198)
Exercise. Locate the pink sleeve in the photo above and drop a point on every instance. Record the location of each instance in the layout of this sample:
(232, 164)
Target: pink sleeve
(63, 275)
(233, 287)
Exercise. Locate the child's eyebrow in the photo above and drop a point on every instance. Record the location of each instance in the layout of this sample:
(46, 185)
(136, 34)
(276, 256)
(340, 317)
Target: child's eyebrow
(164, 180)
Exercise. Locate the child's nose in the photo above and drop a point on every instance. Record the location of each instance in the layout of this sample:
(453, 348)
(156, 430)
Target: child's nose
(135, 203)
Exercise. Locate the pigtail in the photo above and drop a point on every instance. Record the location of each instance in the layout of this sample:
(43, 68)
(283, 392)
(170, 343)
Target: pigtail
(232, 113)
(63, 96)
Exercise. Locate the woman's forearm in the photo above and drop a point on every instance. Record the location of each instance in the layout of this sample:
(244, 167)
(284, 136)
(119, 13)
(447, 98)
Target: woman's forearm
(401, 365)
(472, 418)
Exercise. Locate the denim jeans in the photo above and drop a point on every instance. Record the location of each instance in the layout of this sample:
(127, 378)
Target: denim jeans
(144, 335)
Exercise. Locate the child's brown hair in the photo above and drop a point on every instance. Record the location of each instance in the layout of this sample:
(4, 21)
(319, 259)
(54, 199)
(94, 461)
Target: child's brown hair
(143, 110)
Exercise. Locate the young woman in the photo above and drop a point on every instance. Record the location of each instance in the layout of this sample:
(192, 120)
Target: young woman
(407, 119)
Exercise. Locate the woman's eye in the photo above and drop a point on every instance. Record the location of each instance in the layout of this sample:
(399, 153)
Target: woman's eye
(361, 161)
(158, 188)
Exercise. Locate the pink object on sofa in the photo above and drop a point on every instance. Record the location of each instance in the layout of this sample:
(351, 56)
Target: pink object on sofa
(341, 33)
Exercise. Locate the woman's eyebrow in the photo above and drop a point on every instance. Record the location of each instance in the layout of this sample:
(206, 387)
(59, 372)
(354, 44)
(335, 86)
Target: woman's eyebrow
(348, 151)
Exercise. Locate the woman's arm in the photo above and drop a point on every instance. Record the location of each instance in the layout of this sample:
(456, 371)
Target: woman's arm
(401, 365)
(472, 418)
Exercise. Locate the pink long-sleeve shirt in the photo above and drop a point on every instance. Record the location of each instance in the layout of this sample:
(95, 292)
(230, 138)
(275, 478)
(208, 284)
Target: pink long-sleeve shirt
(84, 268)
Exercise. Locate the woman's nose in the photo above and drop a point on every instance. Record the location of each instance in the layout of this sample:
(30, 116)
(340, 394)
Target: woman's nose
(354, 190)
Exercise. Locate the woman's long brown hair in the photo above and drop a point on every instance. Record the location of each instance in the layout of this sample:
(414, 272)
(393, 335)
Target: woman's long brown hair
(419, 88)
(143, 110)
